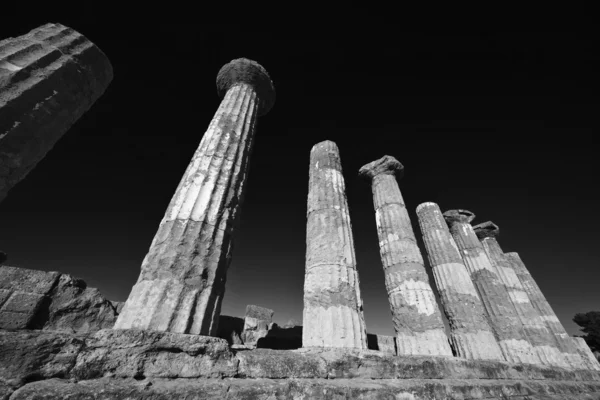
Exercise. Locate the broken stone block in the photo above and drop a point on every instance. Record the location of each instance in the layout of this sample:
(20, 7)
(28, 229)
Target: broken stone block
(49, 78)
(76, 308)
(31, 299)
(256, 324)
(23, 295)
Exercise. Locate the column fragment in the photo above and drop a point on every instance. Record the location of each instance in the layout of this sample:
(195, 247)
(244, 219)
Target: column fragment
(49, 78)
(495, 298)
(543, 342)
(333, 309)
(470, 333)
(415, 314)
(565, 343)
(182, 282)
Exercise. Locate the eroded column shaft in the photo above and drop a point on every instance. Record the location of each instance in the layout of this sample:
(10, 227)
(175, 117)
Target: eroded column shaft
(333, 311)
(182, 282)
(495, 298)
(565, 343)
(415, 314)
(543, 342)
(470, 333)
(48, 79)
(589, 360)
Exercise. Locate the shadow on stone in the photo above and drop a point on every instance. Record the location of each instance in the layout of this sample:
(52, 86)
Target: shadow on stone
(282, 338)
(372, 342)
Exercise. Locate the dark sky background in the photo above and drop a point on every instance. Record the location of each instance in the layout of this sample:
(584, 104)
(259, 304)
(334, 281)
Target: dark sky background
(502, 124)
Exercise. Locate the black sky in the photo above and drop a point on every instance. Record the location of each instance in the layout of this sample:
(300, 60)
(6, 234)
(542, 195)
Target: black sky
(501, 124)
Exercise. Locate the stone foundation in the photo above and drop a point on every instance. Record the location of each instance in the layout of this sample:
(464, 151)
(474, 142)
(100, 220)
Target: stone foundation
(136, 364)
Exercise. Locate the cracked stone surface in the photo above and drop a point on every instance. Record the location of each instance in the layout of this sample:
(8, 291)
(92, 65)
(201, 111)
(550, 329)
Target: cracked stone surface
(49, 78)
(182, 280)
(503, 317)
(416, 317)
(543, 341)
(333, 308)
(470, 333)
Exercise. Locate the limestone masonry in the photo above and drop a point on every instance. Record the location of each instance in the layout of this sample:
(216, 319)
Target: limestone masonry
(60, 339)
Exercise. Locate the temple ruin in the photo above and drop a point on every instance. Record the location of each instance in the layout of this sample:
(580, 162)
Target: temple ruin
(62, 339)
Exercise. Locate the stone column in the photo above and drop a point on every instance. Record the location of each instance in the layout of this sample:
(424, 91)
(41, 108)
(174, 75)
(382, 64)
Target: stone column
(566, 345)
(470, 333)
(49, 78)
(495, 298)
(182, 281)
(415, 314)
(543, 342)
(333, 308)
(589, 360)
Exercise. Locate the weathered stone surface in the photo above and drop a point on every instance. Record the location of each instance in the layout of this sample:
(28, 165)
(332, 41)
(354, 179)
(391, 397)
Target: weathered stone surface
(31, 299)
(333, 310)
(49, 78)
(539, 302)
(318, 389)
(74, 307)
(117, 305)
(135, 353)
(32, 355)
(543, 342)
(416, 317)
(256, 324)
(182, 282)
(501, 312)
(24, 294)
(113, 364)
(586, 354)
(470, 333)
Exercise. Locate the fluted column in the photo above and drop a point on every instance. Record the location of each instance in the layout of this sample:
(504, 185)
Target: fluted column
(333, 308)
(495, 298)
(566, 345)
(470, 333)
(182, 282)
(49, 78)
(543, 342)
(589, 360)
(415, 314)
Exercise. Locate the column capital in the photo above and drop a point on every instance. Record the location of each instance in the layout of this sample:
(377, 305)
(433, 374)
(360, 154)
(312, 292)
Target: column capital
(242, 70)
(458, 216)
(387, 165)
(487, 229)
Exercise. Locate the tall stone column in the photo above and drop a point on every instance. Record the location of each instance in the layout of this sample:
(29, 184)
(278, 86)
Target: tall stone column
(566, 345)
(182, 282)
(470, 333)
(495, 298)
(49, 78)
(333, 308)
(415, 314)
(543, 342)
